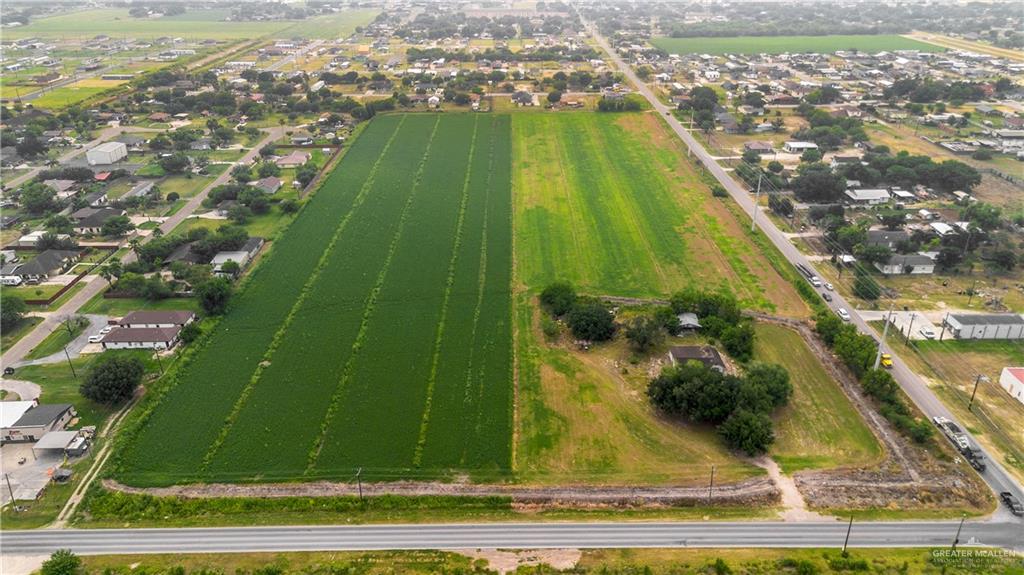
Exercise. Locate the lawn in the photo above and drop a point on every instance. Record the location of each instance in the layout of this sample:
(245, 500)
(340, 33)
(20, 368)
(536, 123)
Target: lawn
(402, 308)
(780, 44)
(819, 428)
(11, 336)
(65, 96)
(120, 306)
(57, 339)
(609, 202)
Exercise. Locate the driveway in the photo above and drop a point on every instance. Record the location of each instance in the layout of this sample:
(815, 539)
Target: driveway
(96, 322)
(26, 390)
(908, 321)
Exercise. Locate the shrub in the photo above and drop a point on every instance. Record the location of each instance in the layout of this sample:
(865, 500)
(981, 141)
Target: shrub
(112, 379)
(214, 295)
(591, 320)
(61, 562)
(644, 333)
(558, 298)
(748, 432)
(190, 333)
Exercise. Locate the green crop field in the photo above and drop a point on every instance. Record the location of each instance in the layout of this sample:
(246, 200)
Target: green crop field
(610, 203)
(376, 334)
(193, 24)
(779, 44)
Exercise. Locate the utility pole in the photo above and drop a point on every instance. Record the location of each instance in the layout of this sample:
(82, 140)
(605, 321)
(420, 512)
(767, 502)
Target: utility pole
(944, 321)
(956, 539)
(885, 331)
(359, 481)
(977, 380)
(847, 540)
(970, 294)
(71, 365)
(159, 362)
(757, 199)
(711, 484)
(910, 329)
(10, 490)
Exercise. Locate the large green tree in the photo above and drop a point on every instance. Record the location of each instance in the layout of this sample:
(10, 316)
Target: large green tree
(112, 379)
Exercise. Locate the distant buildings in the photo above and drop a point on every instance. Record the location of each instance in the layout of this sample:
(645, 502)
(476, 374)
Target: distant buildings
(106, 153)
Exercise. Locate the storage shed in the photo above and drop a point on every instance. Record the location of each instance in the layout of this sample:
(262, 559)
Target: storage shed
(985, 325)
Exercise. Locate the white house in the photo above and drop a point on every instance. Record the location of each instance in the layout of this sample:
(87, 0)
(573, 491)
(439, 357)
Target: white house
(794, 147)
(915, 264)
(868, 197)
(1012, 380)
(985, 325)
(141, 338)
(106, 153)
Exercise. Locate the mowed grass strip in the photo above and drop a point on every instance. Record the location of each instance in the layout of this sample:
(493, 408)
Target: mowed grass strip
(178, 433)
(285, 412)
(780, 44)
(819, 428)
(610, 203)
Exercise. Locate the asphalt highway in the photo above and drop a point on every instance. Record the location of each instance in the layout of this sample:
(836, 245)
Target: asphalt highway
(508, 536)
(996, 476)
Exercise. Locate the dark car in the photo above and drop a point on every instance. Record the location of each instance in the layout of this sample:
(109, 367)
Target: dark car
(1012, 502)
(826, 296)
(8, 371)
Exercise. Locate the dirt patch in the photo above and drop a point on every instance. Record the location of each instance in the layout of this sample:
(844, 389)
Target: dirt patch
(510, 561)
(759, 491)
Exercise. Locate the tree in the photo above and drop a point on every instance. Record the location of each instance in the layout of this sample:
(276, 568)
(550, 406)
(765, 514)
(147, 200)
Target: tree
(59, 224)
(773, 378)
(239, 214)
(893, 220)
(117, 227)
(748, 432)
(231, 268)
(306, 173)
(241, 174)
(590, 320)
(173, 197)
(775, 167)
(268, 169)
(865, 287)
(876, 254)
(30, 147)
(817, 182)
(738, 340)
(558, 298)
(38, 199)
(112, 379)
(11, 312)
(175, 163)
(289, 206)
(954, 175)
(644, 333)
(982, 214)
(810, 156)
(751, 157)
(554, 96)
(190, 333)
(1004, 259)
(61, 562)
(948, 257)
(214, 295)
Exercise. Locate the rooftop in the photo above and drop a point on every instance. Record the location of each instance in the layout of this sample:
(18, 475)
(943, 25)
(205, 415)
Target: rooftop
(988, 318)
(141, 334)
(43, 414)
(177, 317)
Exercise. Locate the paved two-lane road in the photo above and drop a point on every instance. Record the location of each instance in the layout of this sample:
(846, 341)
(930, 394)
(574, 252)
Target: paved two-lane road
(996, 476)
(507, 536)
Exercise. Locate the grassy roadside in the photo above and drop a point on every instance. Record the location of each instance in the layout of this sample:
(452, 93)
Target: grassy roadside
(605, 561)
(11, 337)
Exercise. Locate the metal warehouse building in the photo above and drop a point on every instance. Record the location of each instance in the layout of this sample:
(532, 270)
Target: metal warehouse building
(985, 325)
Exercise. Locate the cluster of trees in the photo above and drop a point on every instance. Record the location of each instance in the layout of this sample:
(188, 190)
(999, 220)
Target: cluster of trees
(720, 318)
(827, 131)
(626, 104)
(858, 352)
(740, 406)
(538, 54)
(588, 318)
(703, 101)
(12, 312)
(205, 244)
(925, 90)
(906, 170)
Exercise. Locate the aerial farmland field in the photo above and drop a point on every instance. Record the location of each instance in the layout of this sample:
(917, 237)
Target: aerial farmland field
(609, 203)
(377, 334)
(780, 44)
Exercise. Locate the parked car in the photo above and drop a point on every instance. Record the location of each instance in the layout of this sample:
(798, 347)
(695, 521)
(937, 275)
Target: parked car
(828, 286)
(927, 332)
(843, 314)
(826, 296)
(96, 338)
(106, 330)
(1013, 503)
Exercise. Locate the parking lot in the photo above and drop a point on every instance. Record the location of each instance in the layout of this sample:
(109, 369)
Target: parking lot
(917, 323)
(28, 472)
